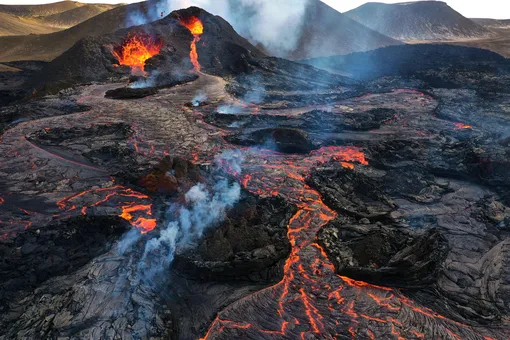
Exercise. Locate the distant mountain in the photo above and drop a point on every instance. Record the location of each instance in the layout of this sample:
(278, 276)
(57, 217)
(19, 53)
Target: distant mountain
(493, 23)
(327, 32)
(48, 18)
(418, 21)
(502, 27)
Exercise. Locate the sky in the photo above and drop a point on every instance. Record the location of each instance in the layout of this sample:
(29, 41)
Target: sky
(496, 9)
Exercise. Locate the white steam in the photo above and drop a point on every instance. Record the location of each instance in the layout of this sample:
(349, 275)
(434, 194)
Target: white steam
(277, 25)
(199, 98)
(207, 208)
(203, 209)
(143, 83)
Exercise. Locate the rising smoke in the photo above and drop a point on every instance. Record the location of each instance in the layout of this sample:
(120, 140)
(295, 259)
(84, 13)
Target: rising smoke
(276, 25)
(185, 224)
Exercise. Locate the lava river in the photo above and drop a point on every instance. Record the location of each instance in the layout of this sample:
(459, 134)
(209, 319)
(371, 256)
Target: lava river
(312, 301)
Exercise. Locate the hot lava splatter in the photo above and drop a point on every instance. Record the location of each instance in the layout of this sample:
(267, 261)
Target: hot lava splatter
(196, 28)
(135, 50)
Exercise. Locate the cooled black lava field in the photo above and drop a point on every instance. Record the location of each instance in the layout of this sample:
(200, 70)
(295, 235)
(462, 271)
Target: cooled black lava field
(205, 190)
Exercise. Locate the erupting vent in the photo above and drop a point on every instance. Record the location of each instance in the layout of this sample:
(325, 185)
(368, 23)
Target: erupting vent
(135, 50)
(196, 28)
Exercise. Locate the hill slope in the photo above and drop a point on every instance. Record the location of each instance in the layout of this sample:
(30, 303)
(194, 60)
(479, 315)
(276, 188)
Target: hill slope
(75, 16)
(49, 18)
(13, 25)
(222, 51)
(328, 32)
(422, 20)
(48, 46)
(493, 23)
(40, 10)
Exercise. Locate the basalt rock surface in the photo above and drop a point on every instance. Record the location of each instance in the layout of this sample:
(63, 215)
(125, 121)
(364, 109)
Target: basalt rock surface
(441, 237)
(251, 244)
(352, 193)
(383, 254)
(315, 121)
(285, 140)
(56, 249)
(130, 93)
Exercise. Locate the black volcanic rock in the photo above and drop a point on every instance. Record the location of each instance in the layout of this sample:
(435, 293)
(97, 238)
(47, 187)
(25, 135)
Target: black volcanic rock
(425, 243)
(56, 249)
(440, 66)
(384, 254)
(420, 20)
(251, 244)
(130, 93)
(352, 193)
(316, 121)
(285, 140)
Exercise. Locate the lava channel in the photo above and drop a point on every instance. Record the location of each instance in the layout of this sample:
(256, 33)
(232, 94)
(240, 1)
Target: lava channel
(312, 301)
(195, 26)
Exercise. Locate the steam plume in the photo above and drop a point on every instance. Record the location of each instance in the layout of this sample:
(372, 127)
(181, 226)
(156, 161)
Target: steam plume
(204, 208)
(274, 24)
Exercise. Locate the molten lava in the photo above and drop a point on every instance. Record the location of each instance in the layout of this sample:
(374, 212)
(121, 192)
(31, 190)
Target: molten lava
(311, 295)
(461, 126)
(135, 50)
(196, 28)
(137, 214)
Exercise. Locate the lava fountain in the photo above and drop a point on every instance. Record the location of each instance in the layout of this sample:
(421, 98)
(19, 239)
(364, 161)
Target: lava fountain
(196, 28)
(135, 50)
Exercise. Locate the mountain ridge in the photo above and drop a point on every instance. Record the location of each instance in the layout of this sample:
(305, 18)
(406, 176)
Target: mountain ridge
(418, 21)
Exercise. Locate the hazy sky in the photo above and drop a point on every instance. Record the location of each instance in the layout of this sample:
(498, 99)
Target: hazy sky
(497, 9)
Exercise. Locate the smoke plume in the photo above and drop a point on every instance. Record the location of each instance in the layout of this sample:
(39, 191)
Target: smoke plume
(276, 25)
(185, 224)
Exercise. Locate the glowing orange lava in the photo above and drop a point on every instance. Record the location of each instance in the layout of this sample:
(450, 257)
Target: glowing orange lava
(311, 298)
(139, 215)
(461, 126)
(196, 28)
(135, 50)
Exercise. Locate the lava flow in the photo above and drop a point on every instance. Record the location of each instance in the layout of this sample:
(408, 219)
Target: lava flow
(127, 199)
(196, 28)
(461, 126)
(312, 300)
(135, 50)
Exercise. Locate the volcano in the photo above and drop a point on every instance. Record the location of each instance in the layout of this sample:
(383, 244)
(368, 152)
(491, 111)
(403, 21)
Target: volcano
(174, 181)
(418, 21)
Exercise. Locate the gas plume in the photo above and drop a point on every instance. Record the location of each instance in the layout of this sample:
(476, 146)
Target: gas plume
(276, 25)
